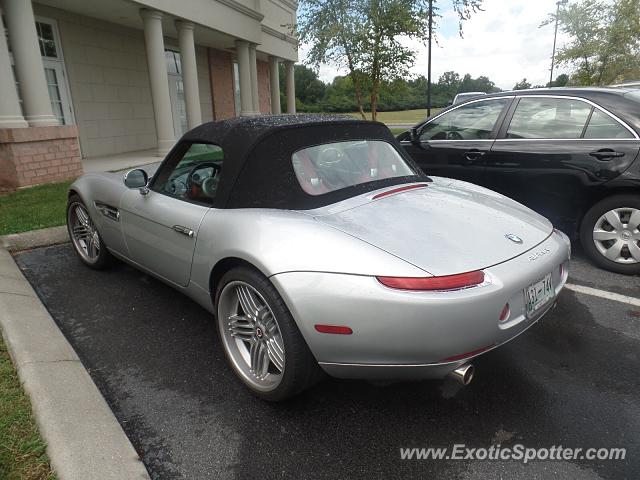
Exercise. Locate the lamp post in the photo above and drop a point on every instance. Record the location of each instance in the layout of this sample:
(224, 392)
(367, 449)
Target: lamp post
(429, 61)
(555, 35)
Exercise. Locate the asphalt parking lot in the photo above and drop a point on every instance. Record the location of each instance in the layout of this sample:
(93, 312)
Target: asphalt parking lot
(571, 380)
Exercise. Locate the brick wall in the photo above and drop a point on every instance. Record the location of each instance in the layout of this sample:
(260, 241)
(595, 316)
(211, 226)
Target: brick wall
(264, 87)
(221, 74)
(31, 156)
(204, 84)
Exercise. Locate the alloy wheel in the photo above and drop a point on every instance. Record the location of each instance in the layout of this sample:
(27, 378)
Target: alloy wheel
(84, 233)
(251, 335)
(616, 235)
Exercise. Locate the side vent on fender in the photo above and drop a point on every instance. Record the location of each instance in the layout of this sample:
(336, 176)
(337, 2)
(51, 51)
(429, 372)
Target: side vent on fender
(108, 211)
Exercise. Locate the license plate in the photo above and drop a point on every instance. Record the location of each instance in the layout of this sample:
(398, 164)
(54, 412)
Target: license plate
(538, 294)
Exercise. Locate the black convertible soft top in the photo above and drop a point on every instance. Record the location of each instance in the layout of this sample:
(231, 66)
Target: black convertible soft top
(258, 171)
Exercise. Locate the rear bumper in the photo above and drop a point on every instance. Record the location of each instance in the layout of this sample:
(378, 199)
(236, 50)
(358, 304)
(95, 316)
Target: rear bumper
(400, 334)
(408, 371)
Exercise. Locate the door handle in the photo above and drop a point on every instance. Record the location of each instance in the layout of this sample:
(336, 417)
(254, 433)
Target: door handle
(183, 230)
(474, 155)
(606, 154)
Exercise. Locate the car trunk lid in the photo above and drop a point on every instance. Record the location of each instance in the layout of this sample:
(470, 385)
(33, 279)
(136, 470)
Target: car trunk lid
(444, 228)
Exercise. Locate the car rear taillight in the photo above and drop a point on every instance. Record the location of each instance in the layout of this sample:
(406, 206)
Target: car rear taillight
(447, 282)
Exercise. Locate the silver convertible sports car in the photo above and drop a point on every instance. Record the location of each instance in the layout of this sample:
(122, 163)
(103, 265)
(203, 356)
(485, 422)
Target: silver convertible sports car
(318, 245)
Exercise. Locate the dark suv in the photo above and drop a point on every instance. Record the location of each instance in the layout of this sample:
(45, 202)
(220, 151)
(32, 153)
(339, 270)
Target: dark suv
(568, 153)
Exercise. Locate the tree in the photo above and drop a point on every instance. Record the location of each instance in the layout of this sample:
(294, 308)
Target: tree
(449, 84)
(399, 94)
(367, 37)
(480, 84)
(522, 85)
(605, 40)
(560, 81)
(309, 88)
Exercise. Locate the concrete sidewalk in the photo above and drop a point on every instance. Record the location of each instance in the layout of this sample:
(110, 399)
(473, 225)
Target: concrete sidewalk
(120, 161)
(84, 439)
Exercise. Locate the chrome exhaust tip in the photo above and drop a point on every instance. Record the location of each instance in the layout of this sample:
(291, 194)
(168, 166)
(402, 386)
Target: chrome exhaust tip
(463, 374)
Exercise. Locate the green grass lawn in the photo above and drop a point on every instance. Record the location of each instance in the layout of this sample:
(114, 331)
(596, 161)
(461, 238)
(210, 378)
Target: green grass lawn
(406, 116)
(32, 208)
(397, 131)
(22, 451)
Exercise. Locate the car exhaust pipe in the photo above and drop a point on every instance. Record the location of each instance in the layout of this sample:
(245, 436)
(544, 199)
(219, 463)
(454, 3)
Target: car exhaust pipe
(463, 374)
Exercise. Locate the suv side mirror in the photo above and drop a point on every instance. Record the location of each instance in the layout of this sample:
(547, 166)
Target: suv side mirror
(413, 136)
(136, 178)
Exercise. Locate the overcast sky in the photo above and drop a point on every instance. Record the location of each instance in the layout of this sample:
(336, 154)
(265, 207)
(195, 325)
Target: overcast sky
(502, 42)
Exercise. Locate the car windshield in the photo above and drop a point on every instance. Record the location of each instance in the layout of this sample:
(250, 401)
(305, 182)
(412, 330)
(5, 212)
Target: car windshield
(333, 166)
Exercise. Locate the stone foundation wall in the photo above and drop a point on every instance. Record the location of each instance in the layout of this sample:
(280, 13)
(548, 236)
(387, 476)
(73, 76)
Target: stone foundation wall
(31, 156)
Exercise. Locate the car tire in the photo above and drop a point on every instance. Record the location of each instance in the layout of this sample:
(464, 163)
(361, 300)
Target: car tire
(301, 369)
(85, 238)
(621, 206)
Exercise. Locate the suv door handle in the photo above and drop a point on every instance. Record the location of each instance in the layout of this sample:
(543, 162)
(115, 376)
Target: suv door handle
(606, 154)
(474, 155)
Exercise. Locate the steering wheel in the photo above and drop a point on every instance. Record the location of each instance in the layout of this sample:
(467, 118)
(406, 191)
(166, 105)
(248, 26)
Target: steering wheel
(328, 167)
(330, 152)
(191, 182)
(453, 135)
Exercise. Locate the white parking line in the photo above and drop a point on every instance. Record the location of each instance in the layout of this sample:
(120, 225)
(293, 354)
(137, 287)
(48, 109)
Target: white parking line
(616, 297)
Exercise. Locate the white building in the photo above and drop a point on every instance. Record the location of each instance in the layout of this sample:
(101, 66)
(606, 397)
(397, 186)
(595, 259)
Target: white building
(90, 79)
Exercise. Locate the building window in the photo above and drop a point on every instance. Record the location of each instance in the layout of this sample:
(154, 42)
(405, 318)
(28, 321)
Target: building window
(173, 62)
(54, 70)
(236, 88)
(53, 84)
(176, 92)
(46, 39)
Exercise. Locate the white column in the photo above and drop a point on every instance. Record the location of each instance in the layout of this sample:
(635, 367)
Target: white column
(158, 79)
(291, 87)
(244, 69)
(28, 62)
(254, 78)
(189, 72)
(274, 80)
(10, 114)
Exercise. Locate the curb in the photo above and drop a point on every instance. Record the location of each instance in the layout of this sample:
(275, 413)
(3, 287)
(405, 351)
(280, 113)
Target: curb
(34, 239)
(84, 439)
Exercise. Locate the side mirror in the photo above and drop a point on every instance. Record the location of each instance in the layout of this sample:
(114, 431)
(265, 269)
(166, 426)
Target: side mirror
(136, 178)
(413, 136)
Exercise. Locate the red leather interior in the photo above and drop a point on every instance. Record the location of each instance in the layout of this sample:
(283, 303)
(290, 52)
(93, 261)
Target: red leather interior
(310, 176)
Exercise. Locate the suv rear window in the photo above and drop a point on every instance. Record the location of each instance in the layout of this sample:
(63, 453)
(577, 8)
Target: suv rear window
(543, 117)
(602, 125)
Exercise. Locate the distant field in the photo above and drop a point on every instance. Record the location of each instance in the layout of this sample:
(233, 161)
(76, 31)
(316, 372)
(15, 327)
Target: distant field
(405, 116)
